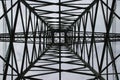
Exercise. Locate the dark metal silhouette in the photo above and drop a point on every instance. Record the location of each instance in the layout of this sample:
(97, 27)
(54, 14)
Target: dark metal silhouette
(56, 34)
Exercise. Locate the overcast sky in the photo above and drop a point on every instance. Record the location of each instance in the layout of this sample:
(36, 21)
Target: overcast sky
(99, 24)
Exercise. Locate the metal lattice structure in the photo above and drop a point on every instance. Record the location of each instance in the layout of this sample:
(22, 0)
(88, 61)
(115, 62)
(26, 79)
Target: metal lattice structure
(59, 40)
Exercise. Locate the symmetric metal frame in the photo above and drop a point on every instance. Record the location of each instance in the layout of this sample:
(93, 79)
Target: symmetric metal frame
(81, 40)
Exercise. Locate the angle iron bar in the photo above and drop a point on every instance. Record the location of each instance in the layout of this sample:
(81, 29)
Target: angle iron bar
(49, 12)
(31, 9)
(58, 4)
(6, 17)
(53, 72)
(9, 65)
(9, 9)
(86, 10)
(110, 9)
(91, 69)
(70, 1)
(118, 56)
(30, 66)
(32, 78)
(108, 26)
(112, 57)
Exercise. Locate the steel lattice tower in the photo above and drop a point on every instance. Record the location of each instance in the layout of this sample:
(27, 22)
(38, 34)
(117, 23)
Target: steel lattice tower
(59, 40)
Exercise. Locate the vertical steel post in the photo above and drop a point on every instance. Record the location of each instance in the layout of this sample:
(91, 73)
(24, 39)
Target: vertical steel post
(59, 39)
